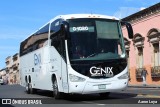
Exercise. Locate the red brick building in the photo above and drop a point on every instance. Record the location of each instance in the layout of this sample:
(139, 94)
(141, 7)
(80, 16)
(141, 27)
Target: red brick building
(144, 49)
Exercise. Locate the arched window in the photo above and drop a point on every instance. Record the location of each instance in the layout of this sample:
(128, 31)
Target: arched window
(138, 42)
(154, 39)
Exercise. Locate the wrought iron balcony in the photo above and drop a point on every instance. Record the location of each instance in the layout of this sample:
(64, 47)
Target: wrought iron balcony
(138, 72)
(155, 71)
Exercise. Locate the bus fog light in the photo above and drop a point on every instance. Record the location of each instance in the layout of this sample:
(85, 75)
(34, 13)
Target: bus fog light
(124, 76)
(74, 78)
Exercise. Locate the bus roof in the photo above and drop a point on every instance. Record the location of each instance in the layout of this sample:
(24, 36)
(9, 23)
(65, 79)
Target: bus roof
(74, 16)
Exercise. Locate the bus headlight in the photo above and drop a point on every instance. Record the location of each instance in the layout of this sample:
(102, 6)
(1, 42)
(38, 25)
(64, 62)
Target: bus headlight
(124, 76)
(74, 78)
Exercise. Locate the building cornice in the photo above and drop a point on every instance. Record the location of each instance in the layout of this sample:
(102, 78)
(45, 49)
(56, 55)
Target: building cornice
(150, 11)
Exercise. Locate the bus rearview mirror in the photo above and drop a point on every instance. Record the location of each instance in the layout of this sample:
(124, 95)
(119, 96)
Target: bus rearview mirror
(129, 29)
(64, 25)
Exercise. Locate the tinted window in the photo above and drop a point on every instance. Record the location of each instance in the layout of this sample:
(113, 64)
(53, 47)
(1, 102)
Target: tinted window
(94, 39)
(45, 29)
(55, 26)
(35, 41)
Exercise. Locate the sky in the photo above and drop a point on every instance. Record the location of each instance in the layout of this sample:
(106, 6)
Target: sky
(20, 18)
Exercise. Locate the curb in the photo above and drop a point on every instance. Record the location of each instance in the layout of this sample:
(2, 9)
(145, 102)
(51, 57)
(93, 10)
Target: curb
(144, 86)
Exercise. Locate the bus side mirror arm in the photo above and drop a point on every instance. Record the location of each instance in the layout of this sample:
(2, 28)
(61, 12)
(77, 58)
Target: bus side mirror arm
(64, 25)
(65, 28)
(129, 29)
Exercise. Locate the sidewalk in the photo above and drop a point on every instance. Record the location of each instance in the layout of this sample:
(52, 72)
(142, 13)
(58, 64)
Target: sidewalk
(142, 86)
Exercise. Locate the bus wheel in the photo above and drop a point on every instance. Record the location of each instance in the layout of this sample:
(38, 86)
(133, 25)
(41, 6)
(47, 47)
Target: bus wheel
(31, 90)
(104, 95)
(56, 93)
(27, 88)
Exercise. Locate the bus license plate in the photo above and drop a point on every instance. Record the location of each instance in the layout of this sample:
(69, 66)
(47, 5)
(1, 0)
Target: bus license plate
(102, 86)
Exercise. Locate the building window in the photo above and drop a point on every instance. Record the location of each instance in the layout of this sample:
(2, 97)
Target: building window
(140, 57)
(153, 38)
(127, 46)
(138, 42)
(139, 62)
(156, 54)
(155, 69)
(127, 53)
(7, 62)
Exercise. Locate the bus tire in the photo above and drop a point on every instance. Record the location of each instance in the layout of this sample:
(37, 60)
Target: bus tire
(56, 93)
(27, 88)
(104, 95)
(32, 90)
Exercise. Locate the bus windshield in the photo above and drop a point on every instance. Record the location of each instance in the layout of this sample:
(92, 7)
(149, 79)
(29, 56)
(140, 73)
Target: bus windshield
(95, 39)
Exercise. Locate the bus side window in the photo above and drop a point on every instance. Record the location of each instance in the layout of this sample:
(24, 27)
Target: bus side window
(56, 44)
(35, 46)
(55, 27)
(60, 47)
(41, 44)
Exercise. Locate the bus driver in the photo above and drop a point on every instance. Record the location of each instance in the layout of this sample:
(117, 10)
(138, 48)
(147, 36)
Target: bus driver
(78, 52)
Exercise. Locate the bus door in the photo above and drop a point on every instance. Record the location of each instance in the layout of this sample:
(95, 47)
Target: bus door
(60, 62)
(64, 71)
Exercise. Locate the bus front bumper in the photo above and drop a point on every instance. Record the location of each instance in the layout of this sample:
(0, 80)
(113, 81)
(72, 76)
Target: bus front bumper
(98, 87)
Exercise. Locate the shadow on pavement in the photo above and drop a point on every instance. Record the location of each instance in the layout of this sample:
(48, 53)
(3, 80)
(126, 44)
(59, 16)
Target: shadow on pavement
(96, 97)
(44, 93)
(88, 97)
(6, 105)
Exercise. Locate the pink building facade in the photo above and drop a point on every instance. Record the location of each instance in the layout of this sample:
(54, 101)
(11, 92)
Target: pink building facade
(144, 49)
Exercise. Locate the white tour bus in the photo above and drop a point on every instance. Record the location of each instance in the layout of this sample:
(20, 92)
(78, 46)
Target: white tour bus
(76, 53)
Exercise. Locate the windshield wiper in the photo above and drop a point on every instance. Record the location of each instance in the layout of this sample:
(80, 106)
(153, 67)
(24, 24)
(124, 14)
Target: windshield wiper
(92, 55)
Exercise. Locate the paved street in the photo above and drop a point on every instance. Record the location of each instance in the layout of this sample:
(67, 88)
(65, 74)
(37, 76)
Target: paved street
(129, 97)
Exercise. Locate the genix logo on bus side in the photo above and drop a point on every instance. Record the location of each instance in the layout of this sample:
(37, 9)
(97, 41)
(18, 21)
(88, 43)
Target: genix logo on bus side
(99, 71)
